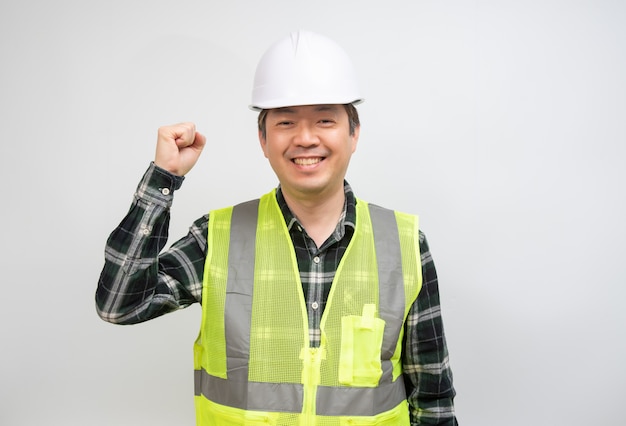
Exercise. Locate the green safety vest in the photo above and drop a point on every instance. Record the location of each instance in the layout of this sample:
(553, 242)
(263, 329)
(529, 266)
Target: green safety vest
(252, 359)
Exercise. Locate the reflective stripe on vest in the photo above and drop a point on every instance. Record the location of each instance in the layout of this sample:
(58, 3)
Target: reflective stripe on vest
(238, 392)
(288, 397)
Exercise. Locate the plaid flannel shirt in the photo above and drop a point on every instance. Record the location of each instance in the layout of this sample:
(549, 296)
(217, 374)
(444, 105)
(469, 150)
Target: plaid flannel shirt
(141, 281)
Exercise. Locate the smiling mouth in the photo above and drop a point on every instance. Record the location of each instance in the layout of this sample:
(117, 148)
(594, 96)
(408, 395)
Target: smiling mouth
(307, 161)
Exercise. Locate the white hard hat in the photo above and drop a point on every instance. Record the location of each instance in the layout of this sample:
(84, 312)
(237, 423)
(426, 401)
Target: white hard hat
(304, 69)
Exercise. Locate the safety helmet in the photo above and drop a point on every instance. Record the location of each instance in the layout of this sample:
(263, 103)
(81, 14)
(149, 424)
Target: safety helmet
(304, 68)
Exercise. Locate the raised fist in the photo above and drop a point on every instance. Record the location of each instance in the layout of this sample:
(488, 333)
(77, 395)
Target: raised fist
(178, 148)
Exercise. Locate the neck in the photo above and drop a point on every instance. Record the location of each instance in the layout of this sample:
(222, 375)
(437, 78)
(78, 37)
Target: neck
(319, 216)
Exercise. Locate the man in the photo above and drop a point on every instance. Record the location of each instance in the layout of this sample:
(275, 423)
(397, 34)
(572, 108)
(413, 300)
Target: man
(317, 307)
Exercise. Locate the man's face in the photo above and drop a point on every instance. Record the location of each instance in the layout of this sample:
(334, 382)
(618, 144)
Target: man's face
(309, 148)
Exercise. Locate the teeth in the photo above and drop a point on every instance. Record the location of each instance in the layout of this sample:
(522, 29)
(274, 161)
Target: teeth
(306, 161)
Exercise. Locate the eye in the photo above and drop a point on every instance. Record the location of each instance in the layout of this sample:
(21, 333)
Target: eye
(326, 122)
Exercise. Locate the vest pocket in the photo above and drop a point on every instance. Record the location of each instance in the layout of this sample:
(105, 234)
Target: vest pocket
(361, 343)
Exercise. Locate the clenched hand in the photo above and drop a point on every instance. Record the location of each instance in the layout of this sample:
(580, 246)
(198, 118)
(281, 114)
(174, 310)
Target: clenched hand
(178, 148)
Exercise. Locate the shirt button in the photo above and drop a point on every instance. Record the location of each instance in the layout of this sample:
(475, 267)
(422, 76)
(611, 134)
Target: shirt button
(316, 259)
(165, 191)
(315, 305)
(145, 231)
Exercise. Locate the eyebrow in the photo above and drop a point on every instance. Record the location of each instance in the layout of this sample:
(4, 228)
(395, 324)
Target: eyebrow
(326, 108)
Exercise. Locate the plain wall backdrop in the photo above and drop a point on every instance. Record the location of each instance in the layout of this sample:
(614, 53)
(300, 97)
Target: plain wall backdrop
(501, 123)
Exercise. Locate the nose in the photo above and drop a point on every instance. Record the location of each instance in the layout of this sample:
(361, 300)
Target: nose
(306, 136)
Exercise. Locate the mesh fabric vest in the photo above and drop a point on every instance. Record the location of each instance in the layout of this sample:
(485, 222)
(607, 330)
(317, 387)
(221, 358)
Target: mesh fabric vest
(253, 362)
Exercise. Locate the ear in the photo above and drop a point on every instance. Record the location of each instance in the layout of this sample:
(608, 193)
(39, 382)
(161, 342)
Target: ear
(355, 137)
(263, 143)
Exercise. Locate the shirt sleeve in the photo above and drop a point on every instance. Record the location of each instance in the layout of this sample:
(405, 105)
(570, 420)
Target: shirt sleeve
(426, 368)
(139, 281)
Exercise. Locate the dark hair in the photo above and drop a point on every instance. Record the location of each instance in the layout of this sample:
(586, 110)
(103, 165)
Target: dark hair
(353, 119)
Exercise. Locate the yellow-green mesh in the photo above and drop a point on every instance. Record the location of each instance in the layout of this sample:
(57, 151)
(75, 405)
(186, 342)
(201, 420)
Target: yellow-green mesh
(357, 287)
(213, 291)
(408, 229)
(279, 329)
(280, 338)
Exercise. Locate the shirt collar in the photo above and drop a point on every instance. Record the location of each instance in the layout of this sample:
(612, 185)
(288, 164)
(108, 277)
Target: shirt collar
(346, 220)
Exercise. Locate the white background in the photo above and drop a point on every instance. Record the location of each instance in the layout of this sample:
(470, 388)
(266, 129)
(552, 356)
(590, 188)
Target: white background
(502, 123)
